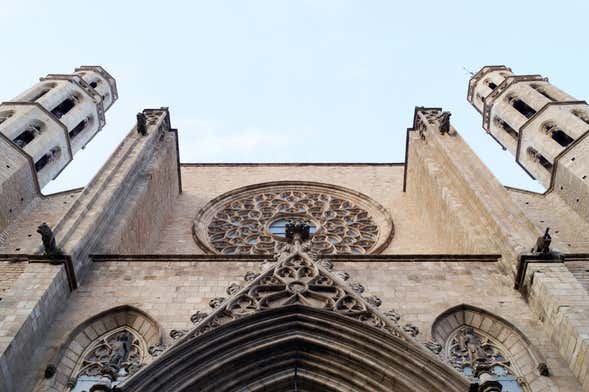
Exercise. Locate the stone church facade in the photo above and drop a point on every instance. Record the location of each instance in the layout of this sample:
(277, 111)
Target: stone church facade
(425, 275)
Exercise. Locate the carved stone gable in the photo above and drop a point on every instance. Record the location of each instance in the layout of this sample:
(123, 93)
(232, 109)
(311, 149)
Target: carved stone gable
(296, 277)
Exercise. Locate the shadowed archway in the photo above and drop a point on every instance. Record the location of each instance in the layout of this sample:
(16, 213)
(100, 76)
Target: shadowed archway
(296, 348)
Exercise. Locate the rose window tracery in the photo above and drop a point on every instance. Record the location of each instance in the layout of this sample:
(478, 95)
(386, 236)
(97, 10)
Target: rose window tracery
(253, 221)
(473, 353)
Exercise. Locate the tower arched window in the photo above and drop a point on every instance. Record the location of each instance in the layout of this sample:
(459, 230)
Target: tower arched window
(477, 355)
(558, 135)
(583, 115)
(506, 127)
(541, 159)
(49, 157)
(80, 127)
(522, 107)
(491, 85)
(543, 91)
(65, 106)
(5, 115)
(94, 83)
(28, 134)
(109, 360)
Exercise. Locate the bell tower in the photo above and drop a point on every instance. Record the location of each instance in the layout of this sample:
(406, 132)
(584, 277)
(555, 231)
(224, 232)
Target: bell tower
(543, 127)
(42, 128)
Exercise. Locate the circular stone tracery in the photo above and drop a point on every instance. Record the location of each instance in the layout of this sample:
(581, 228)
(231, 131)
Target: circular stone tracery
(251, 220)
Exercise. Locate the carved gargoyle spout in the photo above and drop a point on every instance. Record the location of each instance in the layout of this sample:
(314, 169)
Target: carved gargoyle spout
(48, 239)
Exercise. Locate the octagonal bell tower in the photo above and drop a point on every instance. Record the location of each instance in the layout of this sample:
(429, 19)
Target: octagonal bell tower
(42, 128)
(542, 126)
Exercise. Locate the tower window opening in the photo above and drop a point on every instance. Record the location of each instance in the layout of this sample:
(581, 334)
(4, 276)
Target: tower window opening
(543, 91)
(507, 128)
(64, 107)
(38, 95)
(491, 85)
(522, 107)
(558, 135)
(541, 159)
(5, 115)
(94, 83)
(580, 114)
(49, 157)
(26, 136)
(79, 128)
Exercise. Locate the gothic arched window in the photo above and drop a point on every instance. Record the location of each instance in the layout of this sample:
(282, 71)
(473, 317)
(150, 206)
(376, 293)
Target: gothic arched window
(109, 360)
(474, 353)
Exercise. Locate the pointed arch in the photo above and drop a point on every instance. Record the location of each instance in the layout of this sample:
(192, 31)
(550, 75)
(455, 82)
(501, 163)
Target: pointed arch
(526, 361)
(314, 348)
(86, 334)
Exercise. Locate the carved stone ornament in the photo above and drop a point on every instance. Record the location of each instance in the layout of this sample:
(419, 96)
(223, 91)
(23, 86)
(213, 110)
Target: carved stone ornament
(342, 275)
(178, 333)
(393, 315)
(295, 278)
(328, 265)
(216, 302)
(411, 329)
(356, 286)
(434, 347)
(198, 317)
(112, 357)
(252, 221)
(233, 288)
(156, 350)
(250, 275)
(373, 300)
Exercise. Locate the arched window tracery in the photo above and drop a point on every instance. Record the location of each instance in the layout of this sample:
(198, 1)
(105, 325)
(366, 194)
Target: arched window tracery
(109, 360)
(476, 355)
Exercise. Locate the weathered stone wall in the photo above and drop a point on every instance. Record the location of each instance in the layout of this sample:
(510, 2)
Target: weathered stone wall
(562, 304)
(17, 184)
(26, 313)
(9, 273)
(415, 230)
(21, 236)
(570, 233)
(171, 290)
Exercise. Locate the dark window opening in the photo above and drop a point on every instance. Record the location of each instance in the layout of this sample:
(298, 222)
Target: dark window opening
(543, 92)
(541, 159)
(583, 116)
(42, 162)
(492, 85)
(38, 95)
(558, 135)
(52, 155)
(561, 138)
(60, 110)
(94, 83)
(522, 107)
(27, 135)
(78, 128)
(5, 115)
(507, 128)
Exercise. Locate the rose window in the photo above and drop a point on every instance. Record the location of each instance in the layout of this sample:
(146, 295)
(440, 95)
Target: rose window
(253, 221)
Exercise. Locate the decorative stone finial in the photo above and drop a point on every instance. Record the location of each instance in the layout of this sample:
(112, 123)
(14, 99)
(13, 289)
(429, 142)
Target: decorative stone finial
(141, 124)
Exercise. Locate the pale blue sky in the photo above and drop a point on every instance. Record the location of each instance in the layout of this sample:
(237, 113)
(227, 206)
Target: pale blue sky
(292, 81)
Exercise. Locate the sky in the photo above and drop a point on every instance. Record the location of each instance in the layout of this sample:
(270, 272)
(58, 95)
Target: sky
(292, 81)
